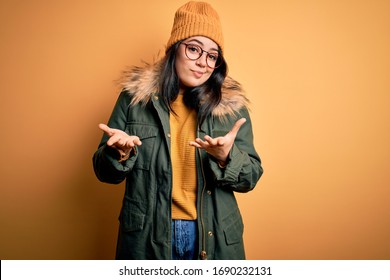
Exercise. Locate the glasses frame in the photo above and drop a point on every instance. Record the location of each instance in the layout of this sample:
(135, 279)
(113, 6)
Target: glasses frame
(217, 63)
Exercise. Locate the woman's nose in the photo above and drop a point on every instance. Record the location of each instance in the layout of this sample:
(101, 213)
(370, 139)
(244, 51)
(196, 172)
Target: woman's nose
(201, 61)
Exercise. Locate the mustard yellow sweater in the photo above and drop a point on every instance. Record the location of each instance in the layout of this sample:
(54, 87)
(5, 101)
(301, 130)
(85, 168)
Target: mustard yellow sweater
(183, 130)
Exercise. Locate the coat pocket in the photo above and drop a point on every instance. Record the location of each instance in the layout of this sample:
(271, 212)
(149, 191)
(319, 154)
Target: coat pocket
(132, 221)
(234, 228)
(132, 218)
(147, 134)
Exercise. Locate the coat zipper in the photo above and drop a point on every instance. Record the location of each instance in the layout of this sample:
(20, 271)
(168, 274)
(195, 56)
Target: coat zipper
(203, 253)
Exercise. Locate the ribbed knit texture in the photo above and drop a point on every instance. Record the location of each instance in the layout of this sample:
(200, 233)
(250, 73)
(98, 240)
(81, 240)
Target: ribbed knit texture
(183, 130)
(196, 19)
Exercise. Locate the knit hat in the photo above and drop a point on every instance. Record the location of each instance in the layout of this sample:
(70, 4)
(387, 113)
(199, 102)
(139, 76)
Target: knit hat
(196, 19)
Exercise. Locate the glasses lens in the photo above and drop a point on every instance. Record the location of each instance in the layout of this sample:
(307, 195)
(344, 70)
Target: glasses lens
(193, 52)
(213, 60)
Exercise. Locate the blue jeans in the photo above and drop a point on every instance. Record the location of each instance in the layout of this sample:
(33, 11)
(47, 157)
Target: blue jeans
(184, 240)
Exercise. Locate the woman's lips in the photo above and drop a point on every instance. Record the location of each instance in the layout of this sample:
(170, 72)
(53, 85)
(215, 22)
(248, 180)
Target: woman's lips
(197, 74)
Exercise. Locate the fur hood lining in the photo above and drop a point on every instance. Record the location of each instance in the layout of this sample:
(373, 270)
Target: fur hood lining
(142, 83)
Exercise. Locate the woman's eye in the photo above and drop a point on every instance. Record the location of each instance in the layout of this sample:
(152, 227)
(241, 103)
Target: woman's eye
(213, 57)
(193, 49)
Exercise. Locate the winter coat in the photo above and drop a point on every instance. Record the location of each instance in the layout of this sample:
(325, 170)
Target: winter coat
(145, 218)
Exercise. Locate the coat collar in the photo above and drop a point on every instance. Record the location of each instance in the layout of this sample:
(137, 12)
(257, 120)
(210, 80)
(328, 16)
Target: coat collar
(142, 83)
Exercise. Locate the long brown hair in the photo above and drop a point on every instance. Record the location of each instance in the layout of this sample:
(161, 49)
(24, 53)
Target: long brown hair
(203, 98)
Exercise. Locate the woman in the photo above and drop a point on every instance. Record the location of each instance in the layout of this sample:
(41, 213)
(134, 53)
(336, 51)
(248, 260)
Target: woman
(181, 136)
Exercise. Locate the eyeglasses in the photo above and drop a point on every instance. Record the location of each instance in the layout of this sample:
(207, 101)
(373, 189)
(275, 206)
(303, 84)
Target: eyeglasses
(194, 52)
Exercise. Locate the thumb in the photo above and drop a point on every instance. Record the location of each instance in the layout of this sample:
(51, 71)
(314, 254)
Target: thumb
(106, 129)
(237, 126)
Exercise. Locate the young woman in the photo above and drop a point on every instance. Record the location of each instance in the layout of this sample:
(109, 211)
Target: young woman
(181, 136)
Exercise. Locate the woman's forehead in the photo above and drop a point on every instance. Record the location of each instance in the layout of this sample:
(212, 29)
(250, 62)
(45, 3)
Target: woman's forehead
(203, 41)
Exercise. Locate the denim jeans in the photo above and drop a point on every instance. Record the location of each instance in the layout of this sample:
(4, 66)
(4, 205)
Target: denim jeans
(184, 240)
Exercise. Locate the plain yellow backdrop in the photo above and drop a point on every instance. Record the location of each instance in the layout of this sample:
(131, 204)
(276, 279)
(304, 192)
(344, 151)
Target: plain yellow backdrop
(318, 77)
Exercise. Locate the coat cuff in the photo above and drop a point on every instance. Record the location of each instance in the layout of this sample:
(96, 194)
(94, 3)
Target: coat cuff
(113, 157)
(229, 173)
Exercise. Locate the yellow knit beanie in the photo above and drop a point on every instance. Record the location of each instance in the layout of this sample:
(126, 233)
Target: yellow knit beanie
(196, 19)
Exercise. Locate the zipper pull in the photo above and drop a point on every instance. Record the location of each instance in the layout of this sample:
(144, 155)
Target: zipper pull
(203, 255)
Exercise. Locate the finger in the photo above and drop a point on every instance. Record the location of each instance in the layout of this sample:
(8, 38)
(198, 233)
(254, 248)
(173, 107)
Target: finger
(114, 140)
(194, 144)
(237, 126)
(130, 142)
(214, 141)
(106, 129)
(137, 141)
(199, 143)
(121, 142)
(133, 141)
(203, 144)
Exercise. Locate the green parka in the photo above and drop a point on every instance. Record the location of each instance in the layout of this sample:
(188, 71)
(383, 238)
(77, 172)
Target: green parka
(145, 218)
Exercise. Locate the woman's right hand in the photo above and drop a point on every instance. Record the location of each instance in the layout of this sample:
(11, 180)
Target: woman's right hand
(120, 141)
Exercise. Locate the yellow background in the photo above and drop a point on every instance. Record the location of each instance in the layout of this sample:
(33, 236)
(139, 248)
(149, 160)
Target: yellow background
(318, 76)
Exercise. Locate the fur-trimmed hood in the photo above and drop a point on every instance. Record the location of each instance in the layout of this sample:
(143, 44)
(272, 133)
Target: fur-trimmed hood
(143, 82)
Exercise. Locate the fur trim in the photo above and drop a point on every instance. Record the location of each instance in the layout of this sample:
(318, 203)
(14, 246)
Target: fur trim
(143, 82)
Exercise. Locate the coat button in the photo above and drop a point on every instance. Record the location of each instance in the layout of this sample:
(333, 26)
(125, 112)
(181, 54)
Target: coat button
(209, 192)
(210, 233)
(169, 135)
(156, 97)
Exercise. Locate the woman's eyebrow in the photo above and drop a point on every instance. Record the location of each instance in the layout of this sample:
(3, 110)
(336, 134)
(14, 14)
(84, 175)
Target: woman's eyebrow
(200, 43)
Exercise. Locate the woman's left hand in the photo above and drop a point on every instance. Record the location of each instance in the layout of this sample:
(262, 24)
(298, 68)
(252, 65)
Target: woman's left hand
(219, 147)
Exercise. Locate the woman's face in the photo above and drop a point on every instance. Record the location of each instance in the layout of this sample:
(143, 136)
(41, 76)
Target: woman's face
(195, 72)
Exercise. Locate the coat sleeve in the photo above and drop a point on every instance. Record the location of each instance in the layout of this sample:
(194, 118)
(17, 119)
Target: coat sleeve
(105, 160)
(244, 167)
